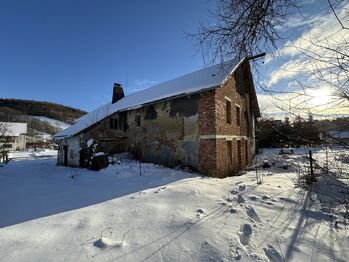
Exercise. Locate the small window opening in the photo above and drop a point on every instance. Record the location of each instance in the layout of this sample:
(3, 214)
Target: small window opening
(228, 111)
(113, 123)
(138, 120)
(238, 118)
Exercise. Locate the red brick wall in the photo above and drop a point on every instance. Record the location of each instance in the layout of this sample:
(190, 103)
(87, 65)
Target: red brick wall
(207, 157)
(215, 131)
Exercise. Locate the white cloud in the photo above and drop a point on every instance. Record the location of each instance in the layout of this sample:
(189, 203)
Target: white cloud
(298, 64)
(288, 70)
(320, 101)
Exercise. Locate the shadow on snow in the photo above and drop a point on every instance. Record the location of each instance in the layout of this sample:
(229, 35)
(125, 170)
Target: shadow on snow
(33, 189)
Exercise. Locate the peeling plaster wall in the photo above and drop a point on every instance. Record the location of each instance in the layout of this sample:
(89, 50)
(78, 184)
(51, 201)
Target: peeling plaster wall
(168, 134)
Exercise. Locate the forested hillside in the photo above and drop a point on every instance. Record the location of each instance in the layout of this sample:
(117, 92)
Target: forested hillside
(40, 116)
(38, 108)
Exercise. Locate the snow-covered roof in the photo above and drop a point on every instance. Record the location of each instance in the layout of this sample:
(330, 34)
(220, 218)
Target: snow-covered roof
(198, 81)
(14, 129)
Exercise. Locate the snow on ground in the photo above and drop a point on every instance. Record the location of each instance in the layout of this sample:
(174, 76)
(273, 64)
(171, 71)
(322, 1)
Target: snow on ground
(42, 135)
(32, 154)
(54, 213)
(53, 122)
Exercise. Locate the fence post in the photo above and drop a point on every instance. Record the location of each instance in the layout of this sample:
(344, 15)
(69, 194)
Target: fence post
(311, 166)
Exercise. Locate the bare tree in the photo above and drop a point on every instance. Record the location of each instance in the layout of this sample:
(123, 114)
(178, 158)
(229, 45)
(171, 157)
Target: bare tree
(3, 142)
(243, 28)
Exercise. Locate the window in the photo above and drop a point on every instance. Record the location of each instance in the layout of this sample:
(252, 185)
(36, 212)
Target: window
(123, 121)
(228, 110)
(120, 122)
(7, 145)
(230, 151)
(238, 113)
(138, 120)
(113, 123)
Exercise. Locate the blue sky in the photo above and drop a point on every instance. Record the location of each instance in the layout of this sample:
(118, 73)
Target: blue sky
(71, 52)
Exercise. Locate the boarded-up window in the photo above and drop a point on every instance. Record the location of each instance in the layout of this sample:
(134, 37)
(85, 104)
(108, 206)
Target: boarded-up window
(230, 151)
(113, 123)
(228, 110)
(238, 116)
(138, 120)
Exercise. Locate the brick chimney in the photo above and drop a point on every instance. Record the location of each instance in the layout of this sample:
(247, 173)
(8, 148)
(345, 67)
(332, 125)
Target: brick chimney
(118, 93)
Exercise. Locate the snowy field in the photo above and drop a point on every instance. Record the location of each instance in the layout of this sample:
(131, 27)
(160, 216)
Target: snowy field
(53, 122)
(32, 154)
(54, 213)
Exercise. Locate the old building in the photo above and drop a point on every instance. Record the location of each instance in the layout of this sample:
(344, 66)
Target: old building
(13, 136)
(204, 120)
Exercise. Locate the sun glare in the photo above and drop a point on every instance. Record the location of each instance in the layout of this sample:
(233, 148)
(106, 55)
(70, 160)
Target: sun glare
(319, 97)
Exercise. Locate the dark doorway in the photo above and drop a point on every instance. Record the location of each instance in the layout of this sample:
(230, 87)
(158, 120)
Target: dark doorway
(246, 151)
(239, 154)
(65, 155)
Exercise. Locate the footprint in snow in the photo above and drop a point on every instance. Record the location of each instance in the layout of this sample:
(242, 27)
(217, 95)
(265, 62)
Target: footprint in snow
(253, 198)
(200, 212)
(252, 214)
(104, 243)
(236, 253)
(138, 194)
(241, 199)
(266, 197)
(159, 190)
(242, 187)
(232, 210)
(245, 234)
(233, 191)
(272, 254)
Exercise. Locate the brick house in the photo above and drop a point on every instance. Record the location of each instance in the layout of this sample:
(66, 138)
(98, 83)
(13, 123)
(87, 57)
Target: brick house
(204, 120)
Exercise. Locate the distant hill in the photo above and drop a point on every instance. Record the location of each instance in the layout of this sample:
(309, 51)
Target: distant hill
(42, 117)
(40, 108)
